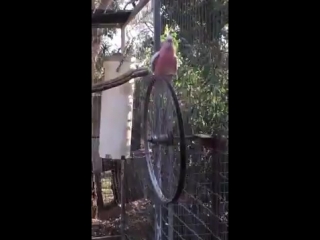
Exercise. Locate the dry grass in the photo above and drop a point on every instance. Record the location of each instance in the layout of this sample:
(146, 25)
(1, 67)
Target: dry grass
(138, 219)
(107, 193)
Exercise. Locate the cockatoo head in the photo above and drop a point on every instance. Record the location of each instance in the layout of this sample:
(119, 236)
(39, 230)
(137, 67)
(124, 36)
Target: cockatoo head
(168, 43)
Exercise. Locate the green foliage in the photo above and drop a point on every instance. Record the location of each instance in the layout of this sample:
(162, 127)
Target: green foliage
(174, 35)
(106, 35)
(202, 88)
(201, 85)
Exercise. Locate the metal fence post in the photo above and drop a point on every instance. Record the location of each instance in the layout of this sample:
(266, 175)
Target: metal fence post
(157, 41)
(123, 198)
(157, 24)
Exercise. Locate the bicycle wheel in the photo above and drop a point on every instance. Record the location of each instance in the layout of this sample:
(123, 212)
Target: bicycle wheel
(164, 140)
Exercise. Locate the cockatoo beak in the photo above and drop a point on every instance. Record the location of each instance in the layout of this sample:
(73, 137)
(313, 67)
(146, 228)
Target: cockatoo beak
(169, 39)
(169, 42)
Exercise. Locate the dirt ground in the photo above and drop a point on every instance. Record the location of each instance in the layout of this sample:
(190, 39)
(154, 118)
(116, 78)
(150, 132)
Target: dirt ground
(138, 220)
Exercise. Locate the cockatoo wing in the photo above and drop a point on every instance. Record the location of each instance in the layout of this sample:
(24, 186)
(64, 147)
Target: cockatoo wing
(154, 59)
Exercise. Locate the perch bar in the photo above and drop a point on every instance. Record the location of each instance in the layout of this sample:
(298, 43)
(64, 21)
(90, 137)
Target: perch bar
(124, 78)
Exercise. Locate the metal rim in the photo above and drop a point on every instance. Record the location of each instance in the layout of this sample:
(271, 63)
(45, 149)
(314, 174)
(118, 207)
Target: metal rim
(182, 147)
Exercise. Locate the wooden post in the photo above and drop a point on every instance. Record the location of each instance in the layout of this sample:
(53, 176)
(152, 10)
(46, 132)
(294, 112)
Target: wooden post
(123, 39)
(96, 160)
(123, 162)
(94, 214)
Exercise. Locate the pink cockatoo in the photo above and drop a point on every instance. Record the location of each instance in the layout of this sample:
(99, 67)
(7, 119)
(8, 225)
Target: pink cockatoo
(164, 62)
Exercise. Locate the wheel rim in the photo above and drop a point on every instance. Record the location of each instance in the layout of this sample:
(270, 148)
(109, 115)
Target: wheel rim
(164, 140)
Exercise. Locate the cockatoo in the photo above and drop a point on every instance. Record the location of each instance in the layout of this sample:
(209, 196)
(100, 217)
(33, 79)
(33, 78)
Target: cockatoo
(164, 62)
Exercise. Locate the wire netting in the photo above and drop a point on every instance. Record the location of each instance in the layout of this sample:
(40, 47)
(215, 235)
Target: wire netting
(201, 31)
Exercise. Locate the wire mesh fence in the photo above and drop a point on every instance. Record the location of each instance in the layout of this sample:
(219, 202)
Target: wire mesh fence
(200, 213)
(200, 210)
(200, 29)
(140, 217)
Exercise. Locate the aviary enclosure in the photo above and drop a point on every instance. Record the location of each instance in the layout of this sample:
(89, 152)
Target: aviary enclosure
(125, 204)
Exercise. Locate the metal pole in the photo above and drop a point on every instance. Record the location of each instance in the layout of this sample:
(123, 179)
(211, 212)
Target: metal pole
(158, 207)
(157, 43)
(123, 198)
(157, 24)
(170, 169)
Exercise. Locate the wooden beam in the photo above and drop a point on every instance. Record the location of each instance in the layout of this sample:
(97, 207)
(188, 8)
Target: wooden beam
(136, 10)
(101, 17)
(107, 25)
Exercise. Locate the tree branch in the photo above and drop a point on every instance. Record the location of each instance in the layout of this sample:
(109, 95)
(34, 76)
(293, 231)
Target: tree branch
(146, 23)
(136, 10)
(122, 79)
